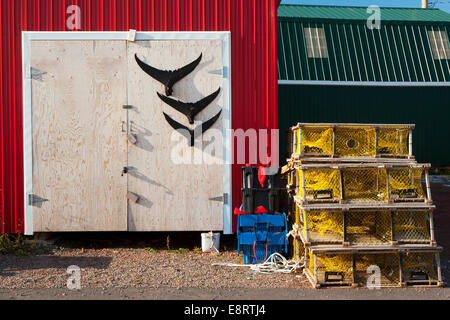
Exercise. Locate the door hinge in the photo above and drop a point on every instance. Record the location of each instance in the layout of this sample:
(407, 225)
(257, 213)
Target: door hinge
(223, 198)
(32, 73)
(34, 199)
(221, 72)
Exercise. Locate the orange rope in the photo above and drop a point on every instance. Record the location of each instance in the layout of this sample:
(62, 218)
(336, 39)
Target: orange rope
(254, 251)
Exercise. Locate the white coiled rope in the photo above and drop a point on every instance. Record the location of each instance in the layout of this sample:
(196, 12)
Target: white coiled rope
(275, 263)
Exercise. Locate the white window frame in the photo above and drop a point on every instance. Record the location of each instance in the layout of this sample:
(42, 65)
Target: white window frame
(316, 42)
(439, 44)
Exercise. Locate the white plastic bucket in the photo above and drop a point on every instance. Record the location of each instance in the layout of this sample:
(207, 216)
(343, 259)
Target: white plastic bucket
(210, 242)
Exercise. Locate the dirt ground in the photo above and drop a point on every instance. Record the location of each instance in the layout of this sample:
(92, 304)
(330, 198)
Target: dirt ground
(171, 266)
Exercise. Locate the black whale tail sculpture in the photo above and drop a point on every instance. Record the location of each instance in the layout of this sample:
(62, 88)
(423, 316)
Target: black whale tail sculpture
(168, 77)
(189, 109)
(189, 133)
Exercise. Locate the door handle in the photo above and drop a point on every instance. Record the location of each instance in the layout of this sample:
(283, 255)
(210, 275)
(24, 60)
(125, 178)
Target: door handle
(123, 126)
(132, 196)
(127, 169)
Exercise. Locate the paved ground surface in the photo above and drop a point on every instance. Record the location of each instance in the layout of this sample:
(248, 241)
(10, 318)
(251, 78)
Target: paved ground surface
(152, 266)
(440, 191)
(227, 294)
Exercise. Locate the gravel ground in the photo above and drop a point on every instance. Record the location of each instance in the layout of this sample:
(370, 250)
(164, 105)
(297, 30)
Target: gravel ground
(136, 268)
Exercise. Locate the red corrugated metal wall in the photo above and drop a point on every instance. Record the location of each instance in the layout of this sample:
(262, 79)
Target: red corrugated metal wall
(253, 26)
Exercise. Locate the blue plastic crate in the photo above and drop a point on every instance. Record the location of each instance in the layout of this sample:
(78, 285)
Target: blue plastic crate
(266, 232)
(262, 250)
(262, 227)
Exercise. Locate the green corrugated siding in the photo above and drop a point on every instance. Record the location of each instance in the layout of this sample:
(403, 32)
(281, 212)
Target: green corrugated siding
(395, 53)
(360, 13)
(427, 107)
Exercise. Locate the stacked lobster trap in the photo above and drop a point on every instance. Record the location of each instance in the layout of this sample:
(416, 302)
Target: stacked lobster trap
(360, 206)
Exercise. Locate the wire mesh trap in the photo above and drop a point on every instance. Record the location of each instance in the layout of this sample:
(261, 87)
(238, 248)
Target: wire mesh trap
(373, 183)
(358, 227)
(390, 268)
(350, 140)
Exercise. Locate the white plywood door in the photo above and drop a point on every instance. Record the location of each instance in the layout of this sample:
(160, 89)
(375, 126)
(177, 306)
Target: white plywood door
(174, 196)
(78, 89)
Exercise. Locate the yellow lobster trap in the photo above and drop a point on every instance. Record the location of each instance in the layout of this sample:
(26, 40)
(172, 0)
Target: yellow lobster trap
(363, 226)
(362, 183)
(333, 140)
(391, 267)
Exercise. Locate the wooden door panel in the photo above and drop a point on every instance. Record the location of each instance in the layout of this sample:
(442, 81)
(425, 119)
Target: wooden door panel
(78, 90)
(173, 197)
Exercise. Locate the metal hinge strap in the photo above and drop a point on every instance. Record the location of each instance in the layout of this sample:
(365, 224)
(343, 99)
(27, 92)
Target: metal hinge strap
(223, 198)
(33, 199)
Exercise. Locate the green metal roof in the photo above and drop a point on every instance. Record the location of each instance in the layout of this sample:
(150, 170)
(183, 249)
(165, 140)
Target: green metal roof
(398, 52)
(360, 13)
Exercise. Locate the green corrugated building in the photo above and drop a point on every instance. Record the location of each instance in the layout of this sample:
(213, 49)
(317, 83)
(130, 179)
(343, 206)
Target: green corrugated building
(342, 64)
